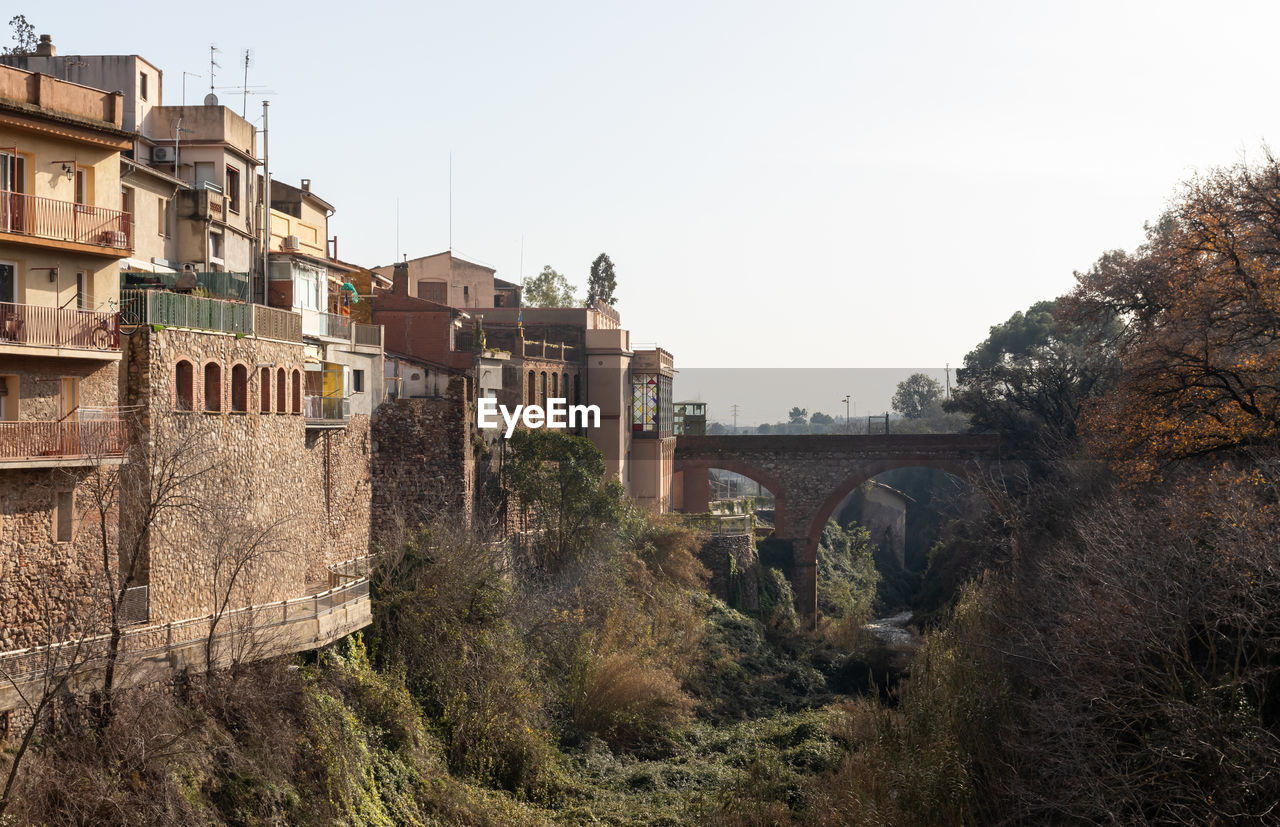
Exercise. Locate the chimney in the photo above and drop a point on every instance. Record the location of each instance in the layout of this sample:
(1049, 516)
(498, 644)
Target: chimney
(400, 279)
(306, 185)
(45, 47)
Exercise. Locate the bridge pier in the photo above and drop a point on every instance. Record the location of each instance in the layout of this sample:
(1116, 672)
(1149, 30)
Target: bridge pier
(697, 490)
(804, 582)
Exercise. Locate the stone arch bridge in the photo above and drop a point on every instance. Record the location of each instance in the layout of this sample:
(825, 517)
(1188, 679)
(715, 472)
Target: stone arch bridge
(810, 475)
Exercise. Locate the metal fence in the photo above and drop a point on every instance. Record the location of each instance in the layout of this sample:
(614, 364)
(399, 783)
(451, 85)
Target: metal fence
(31, 324)
(33, 440)
(160, 307)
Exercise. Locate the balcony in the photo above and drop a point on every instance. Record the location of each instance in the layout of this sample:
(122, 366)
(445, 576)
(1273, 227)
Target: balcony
(366, 335)
(35, 329)
(325, 325)
(326, 411)
(272, 323)
(70, 442)
(80, 227)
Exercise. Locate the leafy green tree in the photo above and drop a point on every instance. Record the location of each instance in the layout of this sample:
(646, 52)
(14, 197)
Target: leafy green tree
(560, 479)
(24, 36)
(798, 416)
(916, 394)
(764, 428)
(602, 284)
(819, 418)
(1030, 377)
(548, 289)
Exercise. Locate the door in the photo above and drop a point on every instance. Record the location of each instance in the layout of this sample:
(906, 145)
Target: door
(13, 182)
(68, 414)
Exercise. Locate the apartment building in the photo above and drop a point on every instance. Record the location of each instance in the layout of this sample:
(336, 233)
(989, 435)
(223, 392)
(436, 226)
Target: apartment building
(63, 233)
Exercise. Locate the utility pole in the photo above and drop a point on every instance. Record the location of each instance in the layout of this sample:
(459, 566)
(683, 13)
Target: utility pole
(847, 424)
(735, 417)
(266, 204)
(948, 380)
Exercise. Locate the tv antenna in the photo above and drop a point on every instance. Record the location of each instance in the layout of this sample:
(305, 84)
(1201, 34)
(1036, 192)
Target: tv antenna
(213, 64)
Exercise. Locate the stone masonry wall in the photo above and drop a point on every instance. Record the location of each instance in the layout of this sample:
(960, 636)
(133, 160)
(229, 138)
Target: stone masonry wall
(34, 566)
(263, 482)
(423, 464)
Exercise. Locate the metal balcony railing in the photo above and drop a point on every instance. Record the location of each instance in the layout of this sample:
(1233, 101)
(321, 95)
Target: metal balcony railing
(317, 323)
(366, 334)
(56, 220)
(69, 439)
(30, 324)
(319, 409)
(273, 323)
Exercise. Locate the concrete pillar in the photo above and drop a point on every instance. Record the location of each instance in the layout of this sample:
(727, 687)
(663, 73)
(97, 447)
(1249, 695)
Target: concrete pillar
(697, 490)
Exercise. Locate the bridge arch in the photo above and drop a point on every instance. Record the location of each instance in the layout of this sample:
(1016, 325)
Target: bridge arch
(864, 472)
(810, 475)
(695, 481)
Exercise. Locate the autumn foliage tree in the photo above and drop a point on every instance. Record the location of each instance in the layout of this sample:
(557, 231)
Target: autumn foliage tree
(1201, 343)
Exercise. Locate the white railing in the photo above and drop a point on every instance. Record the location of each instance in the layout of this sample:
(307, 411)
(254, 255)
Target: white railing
(21, 667)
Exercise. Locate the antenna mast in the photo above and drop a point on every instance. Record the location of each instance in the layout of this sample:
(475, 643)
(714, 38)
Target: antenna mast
(213, 64)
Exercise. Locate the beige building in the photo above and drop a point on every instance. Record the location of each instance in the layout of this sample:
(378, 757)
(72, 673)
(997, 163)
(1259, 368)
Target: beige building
(446, 279)
(62, 235)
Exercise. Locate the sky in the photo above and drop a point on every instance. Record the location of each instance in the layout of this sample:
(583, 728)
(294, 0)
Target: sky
(817, 185)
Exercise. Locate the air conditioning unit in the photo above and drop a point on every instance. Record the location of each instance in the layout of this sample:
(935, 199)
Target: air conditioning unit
(161, 155)
(290, 243)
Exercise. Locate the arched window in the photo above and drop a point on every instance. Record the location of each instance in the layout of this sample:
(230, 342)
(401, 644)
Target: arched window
(533, 389)
(555, 384)
(577, 389)
(240, 389)
(264, 390)
(297, 392)
(542, 391)
(212, 387)
(564, 385)
(184, 398)
(280, 391)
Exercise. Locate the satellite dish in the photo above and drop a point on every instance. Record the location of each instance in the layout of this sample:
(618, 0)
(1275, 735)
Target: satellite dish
(210, 99)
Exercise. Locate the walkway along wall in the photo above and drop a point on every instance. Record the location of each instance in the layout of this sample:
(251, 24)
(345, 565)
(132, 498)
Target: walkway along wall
(263, 500)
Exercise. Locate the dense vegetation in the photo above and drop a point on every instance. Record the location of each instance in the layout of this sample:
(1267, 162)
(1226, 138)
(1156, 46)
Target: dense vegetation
(1103, 637)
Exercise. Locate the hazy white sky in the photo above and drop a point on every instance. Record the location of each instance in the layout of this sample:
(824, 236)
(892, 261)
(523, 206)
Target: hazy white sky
(843, 184)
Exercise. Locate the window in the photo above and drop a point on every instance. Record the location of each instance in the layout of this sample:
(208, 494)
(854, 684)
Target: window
(555, 384)
(215, 246)
(184, 387)
(83, 300)
(357, 381)
(162, 216)
(533, 389)
(577, 389)
(212, 387)
(542, 390)
(8, 284)
(264, 390)
(564, 385)
(280, 391)
(8, 398)
(433, 291)
(142, 85)
(64, 516)
(297, 392)
(82, 186)
(204, 173)
(233, 189)
(239, 389)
